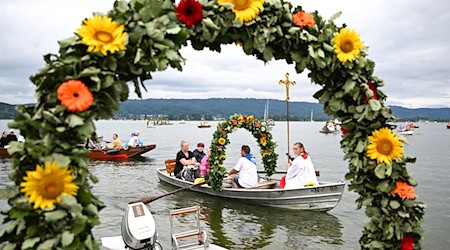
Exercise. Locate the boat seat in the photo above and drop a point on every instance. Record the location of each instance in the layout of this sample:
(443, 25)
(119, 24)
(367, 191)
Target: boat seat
(170, 166)
(267, 184)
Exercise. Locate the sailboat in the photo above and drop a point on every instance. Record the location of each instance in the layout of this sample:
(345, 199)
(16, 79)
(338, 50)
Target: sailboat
(270, 122)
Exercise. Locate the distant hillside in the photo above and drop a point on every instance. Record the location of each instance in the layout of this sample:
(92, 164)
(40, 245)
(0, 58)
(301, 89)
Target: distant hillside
(220, 107)
(195, 109)
(7, 111)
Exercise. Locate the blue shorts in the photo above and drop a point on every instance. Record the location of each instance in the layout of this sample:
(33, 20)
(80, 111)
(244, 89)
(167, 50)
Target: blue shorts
(236, 180)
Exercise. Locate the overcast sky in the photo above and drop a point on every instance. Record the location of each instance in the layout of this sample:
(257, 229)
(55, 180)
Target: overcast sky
(408, 40)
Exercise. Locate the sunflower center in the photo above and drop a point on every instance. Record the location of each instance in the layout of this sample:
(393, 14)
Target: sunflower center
(347, 46)
(385, 147)
(102, 36)
(242, 4)
(52, 189)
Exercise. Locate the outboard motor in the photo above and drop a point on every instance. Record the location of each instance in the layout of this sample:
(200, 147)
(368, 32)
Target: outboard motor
(138, 228)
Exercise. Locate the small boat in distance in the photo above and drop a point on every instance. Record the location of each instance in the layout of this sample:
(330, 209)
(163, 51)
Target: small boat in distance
(204, 124)
(406, 130)
(269, 122)
(105, 154)
(330, 127)
(448, 125)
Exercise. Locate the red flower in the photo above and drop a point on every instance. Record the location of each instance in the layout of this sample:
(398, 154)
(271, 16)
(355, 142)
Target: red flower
(373, 87)
(263, 136)
(223, 132)
(245, 118)
(189, 12)
(404, 190)
(75, 96)
(256, 125)
(234, 122)
(344, 131)
(407, 242)
(303, 19)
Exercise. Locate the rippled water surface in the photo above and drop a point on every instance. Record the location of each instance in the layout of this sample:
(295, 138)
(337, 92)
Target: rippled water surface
(244, 226)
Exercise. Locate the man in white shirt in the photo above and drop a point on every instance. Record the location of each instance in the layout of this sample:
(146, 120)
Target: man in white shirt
(245, 170)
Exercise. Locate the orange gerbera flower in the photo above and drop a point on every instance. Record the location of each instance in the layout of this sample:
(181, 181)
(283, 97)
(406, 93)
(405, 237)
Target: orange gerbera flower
(303, 19)
(75, 96)
(404, 190)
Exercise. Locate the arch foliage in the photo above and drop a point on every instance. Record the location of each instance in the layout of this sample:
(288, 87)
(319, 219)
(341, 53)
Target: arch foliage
(88, 77)
(220, 141)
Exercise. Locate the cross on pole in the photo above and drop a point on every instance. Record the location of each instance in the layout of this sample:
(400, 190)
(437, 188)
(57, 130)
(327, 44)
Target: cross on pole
(287, 83)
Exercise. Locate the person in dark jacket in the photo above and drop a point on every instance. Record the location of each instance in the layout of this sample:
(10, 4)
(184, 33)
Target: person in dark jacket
(199, 153)
(4, 141)
(11, 136)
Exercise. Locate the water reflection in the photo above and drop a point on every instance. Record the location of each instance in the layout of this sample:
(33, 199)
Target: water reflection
(236, 225)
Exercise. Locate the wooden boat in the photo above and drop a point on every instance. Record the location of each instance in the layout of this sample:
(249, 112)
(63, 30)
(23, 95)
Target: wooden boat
(324, 197)
(4, 153)
(101, 154)
(204, 125)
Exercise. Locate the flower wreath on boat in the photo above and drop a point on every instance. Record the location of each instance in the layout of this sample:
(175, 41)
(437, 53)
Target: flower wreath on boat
(88, 77)
(220, 141)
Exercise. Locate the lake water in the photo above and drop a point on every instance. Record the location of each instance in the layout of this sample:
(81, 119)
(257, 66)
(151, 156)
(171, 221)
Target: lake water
(243, 226)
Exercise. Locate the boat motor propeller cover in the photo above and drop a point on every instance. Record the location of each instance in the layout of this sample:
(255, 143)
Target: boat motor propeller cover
(138, 227)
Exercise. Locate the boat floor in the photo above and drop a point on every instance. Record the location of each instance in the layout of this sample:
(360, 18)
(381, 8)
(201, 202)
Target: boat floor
(116, 243)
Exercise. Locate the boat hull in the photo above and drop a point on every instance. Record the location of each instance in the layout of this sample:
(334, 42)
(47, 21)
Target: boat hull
(103, 154)
(409, 132)
(324, 197)
(4, 153)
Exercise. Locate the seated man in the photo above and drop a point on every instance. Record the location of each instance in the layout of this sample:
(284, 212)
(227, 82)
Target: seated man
(116, 144)
(245, 170)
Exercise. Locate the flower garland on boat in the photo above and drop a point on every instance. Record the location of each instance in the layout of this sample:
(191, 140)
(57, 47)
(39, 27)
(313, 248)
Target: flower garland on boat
(88, 78)
(220, 141)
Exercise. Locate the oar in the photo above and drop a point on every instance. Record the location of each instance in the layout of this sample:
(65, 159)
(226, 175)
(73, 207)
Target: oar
(154, 198)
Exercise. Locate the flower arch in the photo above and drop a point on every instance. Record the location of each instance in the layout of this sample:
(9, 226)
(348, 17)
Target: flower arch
(220, 141)
(88, 77)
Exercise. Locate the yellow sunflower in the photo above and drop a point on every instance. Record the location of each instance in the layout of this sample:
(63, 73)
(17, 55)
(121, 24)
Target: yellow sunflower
(222, 141)
(263, 141)
(347, 45)
(245, 10)
(384, 146)
(47, 184)
(102, 34)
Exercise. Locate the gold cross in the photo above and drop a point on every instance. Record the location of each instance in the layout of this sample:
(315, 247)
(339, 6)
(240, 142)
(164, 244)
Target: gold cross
(287, 83)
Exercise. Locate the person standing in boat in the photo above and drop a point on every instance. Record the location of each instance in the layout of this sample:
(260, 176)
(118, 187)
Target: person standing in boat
(301, 171)
(199, 152)
(245, 172)
(184, 158)
(116, 144)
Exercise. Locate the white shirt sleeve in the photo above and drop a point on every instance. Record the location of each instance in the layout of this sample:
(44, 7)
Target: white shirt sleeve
(239, 164)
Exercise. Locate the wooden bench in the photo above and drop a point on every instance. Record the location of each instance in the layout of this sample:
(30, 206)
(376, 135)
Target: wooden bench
(170, 166)
(268, 184)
